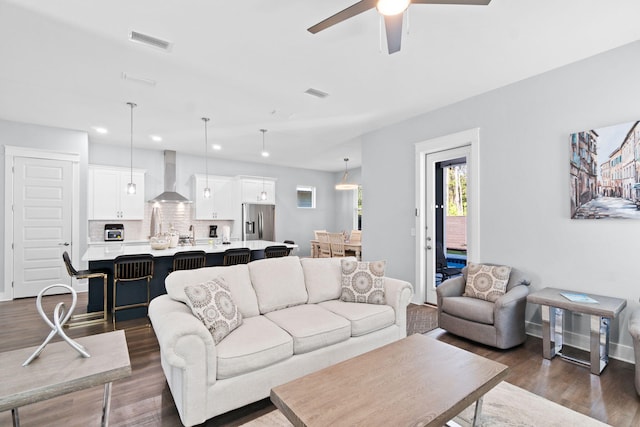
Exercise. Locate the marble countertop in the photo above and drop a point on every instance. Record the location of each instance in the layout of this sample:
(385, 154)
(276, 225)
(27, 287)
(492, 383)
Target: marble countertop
(112, 250)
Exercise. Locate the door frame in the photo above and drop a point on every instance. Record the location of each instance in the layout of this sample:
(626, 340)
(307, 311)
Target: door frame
(10, 153)
(470, 137)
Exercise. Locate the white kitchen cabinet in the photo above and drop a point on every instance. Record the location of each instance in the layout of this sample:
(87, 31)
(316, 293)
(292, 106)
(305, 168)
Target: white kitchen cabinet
(223, 202)
(108, 197)
(252, 187)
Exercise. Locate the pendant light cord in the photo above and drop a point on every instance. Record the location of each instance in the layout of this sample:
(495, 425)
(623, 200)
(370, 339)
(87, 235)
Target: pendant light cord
(132, 105)
(206, 147)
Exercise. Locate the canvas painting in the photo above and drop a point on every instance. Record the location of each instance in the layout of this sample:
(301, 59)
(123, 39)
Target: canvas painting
(605, 172)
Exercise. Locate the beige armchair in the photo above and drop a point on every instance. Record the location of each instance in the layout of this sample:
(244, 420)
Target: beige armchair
(498, 324)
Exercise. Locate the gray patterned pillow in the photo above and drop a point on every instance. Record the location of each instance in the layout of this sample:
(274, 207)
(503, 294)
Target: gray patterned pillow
(211, 302)
(487, 282)
(363, 281)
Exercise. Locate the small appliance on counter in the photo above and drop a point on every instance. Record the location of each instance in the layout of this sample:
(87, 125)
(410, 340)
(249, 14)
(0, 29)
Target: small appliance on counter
(113, 232)
(213, 231)
(226, 235)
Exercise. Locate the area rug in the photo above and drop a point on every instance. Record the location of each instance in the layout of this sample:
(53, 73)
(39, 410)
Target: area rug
(421, 319)
(504, 406)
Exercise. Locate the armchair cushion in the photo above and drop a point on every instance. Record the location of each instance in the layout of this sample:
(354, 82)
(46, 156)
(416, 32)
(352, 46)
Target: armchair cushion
(473, 309)
(487, 282)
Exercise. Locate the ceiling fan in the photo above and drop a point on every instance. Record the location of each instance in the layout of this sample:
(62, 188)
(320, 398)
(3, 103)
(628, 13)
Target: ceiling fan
(391, 10)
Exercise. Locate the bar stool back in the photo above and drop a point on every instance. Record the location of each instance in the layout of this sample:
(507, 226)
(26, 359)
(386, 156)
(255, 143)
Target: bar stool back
(276, 251)
(95, 316)
(189, 260)
(236, 256)
(131, 268)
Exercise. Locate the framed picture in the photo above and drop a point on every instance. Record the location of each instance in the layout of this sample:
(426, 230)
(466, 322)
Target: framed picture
(604, 169)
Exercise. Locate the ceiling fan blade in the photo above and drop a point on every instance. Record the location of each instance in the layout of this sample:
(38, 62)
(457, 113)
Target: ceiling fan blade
(350, 12)
(468, 2)
(393, 28)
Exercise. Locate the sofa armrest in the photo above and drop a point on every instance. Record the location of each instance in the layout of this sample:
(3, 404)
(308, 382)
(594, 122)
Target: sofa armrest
(398, 294)
(453, 287)
(514, 295)
(175, 326)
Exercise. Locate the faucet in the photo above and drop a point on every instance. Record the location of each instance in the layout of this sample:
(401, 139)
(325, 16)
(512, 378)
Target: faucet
(192, 235)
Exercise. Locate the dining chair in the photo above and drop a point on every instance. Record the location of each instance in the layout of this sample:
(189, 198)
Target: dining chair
(315, 233)
(93, 317)
(356, 236)
(337, 244)
(324, 245)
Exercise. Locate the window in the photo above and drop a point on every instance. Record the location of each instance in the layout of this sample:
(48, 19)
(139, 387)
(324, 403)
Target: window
(306, 196)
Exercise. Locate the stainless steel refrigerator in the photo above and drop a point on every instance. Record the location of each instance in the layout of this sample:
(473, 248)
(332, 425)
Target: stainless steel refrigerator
(258, 222)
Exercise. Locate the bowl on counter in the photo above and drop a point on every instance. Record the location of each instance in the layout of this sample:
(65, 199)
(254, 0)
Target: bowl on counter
(159, 243)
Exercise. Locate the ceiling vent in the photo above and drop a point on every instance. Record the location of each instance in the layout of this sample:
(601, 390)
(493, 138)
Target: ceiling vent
(148, 40)
(317, 93)
(138, 79)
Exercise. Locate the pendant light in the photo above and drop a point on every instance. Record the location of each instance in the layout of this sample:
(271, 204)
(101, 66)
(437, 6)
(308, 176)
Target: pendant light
(131, 186)
(344, 184)
(207, 190)
(265, 153)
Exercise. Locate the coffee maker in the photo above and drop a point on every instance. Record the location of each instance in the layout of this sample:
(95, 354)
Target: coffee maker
(213, 231)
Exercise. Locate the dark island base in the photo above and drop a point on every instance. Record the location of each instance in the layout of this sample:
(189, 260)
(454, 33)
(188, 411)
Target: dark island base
(135, 292)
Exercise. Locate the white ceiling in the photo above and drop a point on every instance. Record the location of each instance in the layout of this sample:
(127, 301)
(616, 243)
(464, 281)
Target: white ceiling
(246, 64)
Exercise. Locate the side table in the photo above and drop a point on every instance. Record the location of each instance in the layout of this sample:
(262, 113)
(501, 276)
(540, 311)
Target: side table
(552, 306)
(60, 370)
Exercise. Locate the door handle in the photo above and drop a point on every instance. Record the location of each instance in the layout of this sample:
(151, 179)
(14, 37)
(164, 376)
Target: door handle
(429, 247)
(64, 244)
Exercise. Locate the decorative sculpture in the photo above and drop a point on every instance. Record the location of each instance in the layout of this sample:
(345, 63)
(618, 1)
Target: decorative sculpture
(59, 319)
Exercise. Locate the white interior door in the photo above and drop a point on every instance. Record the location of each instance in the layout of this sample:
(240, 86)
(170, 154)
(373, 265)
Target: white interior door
(43, 201)
(431, 207)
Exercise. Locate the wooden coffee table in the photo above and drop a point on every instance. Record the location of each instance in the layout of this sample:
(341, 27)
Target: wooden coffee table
(414, 381)
(60, 370)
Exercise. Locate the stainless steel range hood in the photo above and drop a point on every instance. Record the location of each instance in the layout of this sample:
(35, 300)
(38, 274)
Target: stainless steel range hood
(170, 195)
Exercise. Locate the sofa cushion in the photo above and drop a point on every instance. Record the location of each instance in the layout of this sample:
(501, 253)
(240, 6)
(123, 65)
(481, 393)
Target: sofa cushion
(311, 326)
(278, 282)
(322, 277)
(257, 343)
(364, 318)
(474, 309)
(235, 276)
(487, 282)
(363, 281)
(211, 302)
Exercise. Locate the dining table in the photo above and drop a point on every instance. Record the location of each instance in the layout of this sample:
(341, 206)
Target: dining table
(355, 247)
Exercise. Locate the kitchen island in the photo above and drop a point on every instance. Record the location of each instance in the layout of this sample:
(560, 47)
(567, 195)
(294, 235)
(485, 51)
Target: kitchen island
(100, 257)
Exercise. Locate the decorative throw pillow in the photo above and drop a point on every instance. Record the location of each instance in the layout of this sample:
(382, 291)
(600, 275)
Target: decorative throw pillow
(363, 281)
(211, 302)
(487, 282)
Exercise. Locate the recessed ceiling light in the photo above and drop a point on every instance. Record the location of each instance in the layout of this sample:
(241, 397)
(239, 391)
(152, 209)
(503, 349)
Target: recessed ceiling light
(217, 147)
(316, 92)
(138, 79)
(155, 138)
(100, 129)
(148, 40)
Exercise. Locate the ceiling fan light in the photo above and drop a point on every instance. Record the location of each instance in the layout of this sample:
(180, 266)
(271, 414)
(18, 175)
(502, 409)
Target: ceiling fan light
(392, 7)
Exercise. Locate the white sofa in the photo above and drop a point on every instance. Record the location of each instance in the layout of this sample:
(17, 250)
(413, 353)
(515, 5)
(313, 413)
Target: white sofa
(293, 324)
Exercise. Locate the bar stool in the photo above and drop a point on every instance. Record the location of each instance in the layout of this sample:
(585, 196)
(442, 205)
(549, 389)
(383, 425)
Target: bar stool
(130, 268)
(94, 317)
(189, 260)
(236, 256)
(276, 251)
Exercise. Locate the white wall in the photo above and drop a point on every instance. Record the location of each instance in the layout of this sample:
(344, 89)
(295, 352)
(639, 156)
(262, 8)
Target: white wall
(524, 183)
(292, 223)
(43, 138)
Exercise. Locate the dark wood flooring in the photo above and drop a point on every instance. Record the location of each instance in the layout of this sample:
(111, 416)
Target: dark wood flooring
(144, 398)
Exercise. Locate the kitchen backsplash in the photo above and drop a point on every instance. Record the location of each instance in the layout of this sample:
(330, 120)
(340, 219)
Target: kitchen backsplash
(176, 214)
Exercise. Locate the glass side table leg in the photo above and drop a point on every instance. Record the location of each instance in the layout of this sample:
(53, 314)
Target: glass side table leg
(599, 343)
(106, 405)
(551, 331)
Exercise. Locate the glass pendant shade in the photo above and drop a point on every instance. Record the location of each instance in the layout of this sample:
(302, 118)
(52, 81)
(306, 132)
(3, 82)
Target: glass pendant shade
(131, 186)
(344, 182)
(207, 190)
(263, 195)
(392, 7)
